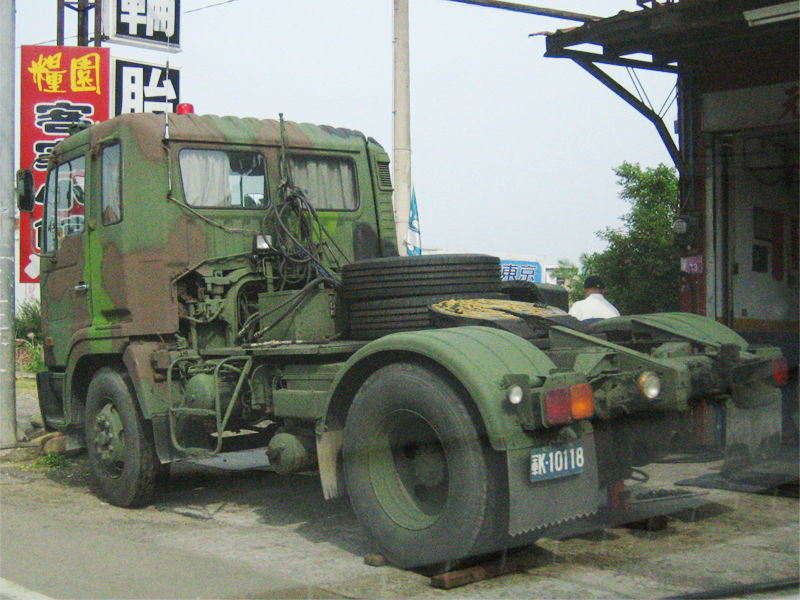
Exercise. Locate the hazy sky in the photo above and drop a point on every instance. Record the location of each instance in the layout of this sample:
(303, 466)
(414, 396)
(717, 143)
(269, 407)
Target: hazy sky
(512, 153)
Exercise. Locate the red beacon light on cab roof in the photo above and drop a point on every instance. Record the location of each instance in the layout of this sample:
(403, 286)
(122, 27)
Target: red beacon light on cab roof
(185, 109)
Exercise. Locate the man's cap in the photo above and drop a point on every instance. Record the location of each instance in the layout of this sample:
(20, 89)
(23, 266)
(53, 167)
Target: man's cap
(593, 281)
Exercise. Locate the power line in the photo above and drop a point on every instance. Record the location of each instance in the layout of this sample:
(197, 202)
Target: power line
(186, 12)
(53, 41)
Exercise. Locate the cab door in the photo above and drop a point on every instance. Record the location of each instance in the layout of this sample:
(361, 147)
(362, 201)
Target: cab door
(65, 284)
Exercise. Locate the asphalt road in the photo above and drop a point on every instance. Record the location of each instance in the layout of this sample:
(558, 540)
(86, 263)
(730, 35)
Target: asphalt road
(213, 533)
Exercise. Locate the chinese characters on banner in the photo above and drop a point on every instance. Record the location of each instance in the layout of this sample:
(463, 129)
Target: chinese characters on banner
(150, 23)
(142, 87)
(59, 87)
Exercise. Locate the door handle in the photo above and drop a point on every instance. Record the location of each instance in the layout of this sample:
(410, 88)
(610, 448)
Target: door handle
(82, 287)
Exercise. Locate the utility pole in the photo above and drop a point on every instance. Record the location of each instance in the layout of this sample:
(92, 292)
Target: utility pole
(8, 398)
(402, 125)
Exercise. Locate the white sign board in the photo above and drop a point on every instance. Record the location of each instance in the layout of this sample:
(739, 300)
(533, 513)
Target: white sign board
(151, 24)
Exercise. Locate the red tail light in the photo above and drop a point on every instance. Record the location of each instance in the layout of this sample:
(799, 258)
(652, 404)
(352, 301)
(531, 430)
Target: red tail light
(185, 109)
(780, 371)
(557, 406)
(562, 404)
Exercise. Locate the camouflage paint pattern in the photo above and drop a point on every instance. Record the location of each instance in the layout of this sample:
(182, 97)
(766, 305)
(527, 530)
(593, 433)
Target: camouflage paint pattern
(167, 293)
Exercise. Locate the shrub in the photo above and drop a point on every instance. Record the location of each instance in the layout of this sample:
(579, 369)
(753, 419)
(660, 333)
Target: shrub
(28, 321)
(30, 356)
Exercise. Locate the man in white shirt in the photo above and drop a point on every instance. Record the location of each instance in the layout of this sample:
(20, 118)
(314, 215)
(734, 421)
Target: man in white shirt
(594, 305)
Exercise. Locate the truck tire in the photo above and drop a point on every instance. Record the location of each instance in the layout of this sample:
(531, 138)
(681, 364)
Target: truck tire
(376, 318)
(418, 473)
(121, 454)
(407, 276)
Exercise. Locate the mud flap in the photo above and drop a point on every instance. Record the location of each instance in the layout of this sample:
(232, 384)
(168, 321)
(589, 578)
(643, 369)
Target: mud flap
(537, 504)
(50, 388)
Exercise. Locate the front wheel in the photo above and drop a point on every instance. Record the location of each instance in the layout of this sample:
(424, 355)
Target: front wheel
(417, 471)
(121, 454)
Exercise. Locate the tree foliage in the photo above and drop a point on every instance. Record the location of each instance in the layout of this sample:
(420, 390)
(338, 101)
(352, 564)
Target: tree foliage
(571, 277)
(641, 266)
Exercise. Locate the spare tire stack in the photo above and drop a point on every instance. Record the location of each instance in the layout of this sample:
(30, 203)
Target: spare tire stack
(388, 295)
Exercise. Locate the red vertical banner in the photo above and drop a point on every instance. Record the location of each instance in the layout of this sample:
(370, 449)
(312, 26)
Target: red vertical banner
(59, 87)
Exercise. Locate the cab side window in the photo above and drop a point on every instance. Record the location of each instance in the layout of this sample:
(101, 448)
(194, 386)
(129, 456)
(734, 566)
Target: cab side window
(223, 178)
(64, 202)
(329, 182)
(111, 196)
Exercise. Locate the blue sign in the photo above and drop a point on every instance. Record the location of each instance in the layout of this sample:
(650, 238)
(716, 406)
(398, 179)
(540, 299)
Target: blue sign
(521, 270)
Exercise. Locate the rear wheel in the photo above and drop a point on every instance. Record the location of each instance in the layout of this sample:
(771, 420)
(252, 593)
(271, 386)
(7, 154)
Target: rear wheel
(121, 454)
(417, 471)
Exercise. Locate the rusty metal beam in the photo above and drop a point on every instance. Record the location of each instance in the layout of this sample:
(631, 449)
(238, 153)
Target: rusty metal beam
(60, 23)
(577, 55)
(83, 23)
(98, 23)
(641, 107)
(531, 10)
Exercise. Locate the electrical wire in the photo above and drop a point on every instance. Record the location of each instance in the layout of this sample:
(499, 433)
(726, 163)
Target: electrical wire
(299, 238)
(185, 12)
(669, 101)
(215, 4)
(290, 305)
(637, 84)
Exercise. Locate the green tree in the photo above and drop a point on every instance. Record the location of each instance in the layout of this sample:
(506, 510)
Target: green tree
(641, 266)
(571, 277)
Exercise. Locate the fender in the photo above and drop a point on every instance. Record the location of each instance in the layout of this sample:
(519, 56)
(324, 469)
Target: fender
(686, 325)
(135, 357)
(479, 358)
(82, 346)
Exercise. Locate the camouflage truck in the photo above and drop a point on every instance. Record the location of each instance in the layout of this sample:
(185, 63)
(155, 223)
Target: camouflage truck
(215, 282)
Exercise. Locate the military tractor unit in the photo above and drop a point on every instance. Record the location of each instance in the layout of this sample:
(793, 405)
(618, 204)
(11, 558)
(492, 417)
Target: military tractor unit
(209, 282)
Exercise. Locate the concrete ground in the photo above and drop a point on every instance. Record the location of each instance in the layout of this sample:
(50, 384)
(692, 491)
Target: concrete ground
(217, 533)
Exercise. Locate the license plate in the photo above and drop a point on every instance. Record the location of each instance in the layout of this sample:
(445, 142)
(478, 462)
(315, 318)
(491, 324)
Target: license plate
(550, 462)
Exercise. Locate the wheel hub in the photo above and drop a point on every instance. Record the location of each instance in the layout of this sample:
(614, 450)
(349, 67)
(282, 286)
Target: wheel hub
(109, 438)
(409, 470)
(427, 465)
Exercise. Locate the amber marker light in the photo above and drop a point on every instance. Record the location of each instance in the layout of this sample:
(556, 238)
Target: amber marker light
(581, 401)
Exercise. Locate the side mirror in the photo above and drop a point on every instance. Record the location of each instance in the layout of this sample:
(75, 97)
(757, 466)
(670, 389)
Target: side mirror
(25, 191)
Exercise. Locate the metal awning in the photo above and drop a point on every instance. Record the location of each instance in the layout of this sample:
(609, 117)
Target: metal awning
(675, 37)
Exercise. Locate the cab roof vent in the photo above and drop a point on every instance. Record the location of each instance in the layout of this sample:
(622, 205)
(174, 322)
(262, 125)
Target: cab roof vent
(384, 176)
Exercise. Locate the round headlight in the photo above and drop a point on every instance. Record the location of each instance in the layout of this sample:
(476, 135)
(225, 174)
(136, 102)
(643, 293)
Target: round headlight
(649, 385)
(515, 394)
